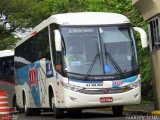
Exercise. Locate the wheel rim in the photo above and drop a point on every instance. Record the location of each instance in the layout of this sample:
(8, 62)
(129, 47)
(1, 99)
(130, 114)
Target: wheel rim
(53, 104)
(25, 107)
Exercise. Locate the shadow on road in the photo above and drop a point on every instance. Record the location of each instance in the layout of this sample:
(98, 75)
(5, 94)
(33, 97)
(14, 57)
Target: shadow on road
(84, 115)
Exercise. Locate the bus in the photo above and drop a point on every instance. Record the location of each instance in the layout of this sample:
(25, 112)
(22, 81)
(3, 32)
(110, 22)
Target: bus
(76, 61)
(7, 76)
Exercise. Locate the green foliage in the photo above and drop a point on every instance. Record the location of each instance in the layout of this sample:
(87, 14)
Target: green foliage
(14, 15)
(28, 13)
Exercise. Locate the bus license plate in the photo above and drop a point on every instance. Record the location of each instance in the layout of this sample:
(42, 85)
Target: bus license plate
(106, 99)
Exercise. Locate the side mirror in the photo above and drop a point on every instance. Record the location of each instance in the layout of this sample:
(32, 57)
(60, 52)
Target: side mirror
(143, 36)
(58, 40)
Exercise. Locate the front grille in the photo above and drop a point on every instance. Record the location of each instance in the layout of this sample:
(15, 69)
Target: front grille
(105, 90)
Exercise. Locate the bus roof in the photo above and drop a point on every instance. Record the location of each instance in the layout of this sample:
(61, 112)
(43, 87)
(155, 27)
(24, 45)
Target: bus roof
(81, 18)
(6, 53)
(88, 18)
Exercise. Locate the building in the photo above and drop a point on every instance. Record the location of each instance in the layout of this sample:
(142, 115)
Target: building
(150, 10)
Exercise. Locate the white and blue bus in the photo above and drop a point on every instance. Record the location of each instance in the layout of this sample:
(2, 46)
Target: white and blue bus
(74, 61)
(7, 76)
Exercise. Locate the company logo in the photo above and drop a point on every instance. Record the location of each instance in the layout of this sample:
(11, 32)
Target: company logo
(49, 70)
(117, 82)
(32, 77)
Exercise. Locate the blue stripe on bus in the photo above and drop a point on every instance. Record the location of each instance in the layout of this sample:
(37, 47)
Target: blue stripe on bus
(130, 79)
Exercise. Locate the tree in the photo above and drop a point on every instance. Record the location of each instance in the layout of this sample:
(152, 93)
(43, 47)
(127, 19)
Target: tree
(14, 16)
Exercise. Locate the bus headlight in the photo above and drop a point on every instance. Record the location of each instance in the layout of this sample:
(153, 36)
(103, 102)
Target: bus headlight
(72, 87)
(134, 85)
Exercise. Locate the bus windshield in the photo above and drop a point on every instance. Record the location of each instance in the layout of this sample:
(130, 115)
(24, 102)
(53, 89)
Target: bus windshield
(99, 50)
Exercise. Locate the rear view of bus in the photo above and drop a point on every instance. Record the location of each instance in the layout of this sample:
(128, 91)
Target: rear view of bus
(7, 75)
(90, 61)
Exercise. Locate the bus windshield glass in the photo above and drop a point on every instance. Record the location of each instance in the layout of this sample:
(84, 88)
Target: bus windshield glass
(99, 50)
(119, 49)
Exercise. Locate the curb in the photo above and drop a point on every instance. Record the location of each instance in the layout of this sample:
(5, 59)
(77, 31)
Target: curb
(155, 113)
(138, 112)
(143, 112)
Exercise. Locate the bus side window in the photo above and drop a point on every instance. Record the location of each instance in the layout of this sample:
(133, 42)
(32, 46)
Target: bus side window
(48, 56)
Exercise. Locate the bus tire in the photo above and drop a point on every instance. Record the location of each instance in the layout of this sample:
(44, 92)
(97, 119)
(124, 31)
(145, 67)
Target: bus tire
(74, 112)
(14, 104)
(58, 112)
(117, 110)
(27, 111)
(36, 111)
(21, 110)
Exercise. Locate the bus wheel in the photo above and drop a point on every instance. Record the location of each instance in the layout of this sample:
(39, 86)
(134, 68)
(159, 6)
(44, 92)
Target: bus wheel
(14, 101)
(36, 111)
(26, 109)
(21, 110)
(117, 110)
(58, 112)
(74, 112)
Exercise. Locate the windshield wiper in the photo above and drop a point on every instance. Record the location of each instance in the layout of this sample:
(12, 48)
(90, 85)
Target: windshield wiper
(113, 62)
(91, 66)
(93, 62)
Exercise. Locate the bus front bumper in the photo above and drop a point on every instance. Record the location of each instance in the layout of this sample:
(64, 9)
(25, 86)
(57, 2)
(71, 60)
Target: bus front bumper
(74, 99)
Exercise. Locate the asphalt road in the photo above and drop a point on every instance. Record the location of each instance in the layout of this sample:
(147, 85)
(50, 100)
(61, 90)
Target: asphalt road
(87, 115)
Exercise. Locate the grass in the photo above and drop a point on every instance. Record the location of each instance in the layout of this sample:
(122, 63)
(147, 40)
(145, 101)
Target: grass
(144, 102)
